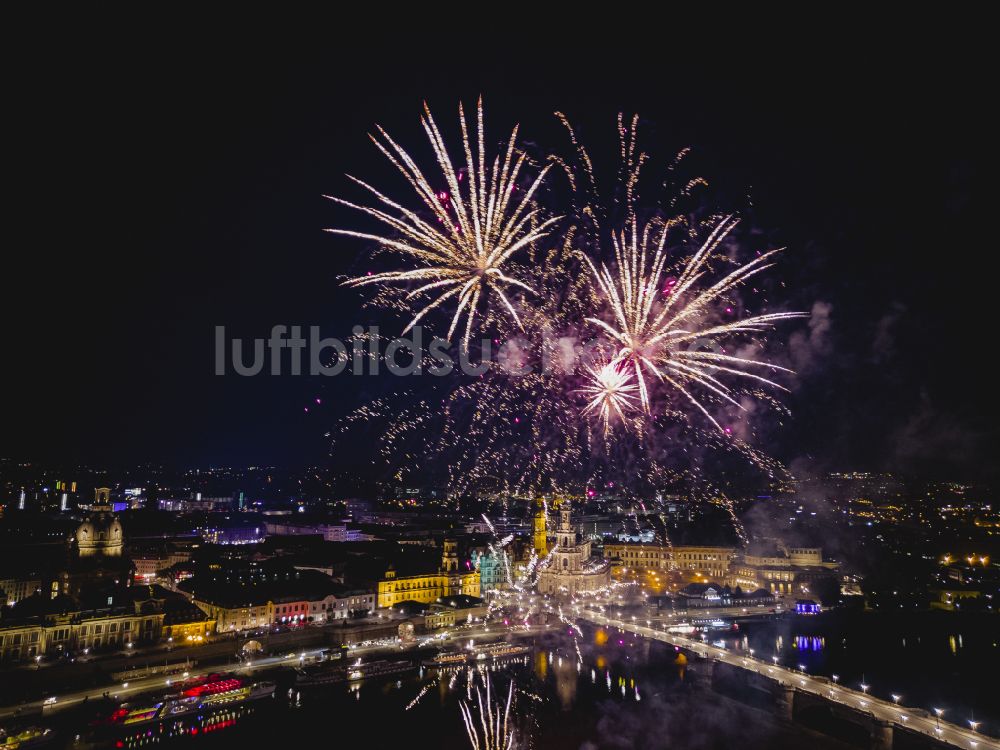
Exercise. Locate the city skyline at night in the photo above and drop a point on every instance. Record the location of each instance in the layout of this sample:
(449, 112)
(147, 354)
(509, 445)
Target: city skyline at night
(514, 398)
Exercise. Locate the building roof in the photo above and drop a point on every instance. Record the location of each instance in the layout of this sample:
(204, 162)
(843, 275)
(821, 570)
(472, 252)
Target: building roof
(410, 607)
(307, 585)
(460, 601)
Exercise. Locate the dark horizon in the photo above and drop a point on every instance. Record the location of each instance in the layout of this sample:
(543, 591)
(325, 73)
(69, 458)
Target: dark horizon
(167, 196)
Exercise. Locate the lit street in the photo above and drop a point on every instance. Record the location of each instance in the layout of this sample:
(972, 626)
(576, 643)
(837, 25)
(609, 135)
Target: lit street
(887, 711)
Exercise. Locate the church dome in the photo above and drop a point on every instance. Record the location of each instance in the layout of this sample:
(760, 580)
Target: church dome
(100, 534)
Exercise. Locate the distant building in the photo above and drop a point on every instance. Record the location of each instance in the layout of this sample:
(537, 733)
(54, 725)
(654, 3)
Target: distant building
(780, 569)
(149, 564)
(330, 532)
(234, 533)
(196, 503)
(711, 563)
(448, 580)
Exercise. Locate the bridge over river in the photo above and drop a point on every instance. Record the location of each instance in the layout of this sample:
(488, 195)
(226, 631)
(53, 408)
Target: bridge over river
(797, 693)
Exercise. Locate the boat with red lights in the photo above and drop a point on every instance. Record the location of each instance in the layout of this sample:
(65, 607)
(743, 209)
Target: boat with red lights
(190, 705)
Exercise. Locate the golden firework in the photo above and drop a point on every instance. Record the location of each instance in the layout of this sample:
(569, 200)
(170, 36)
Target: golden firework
(468, 231)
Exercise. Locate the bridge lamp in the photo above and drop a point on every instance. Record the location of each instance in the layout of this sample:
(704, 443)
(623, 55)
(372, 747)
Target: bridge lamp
(802, 667)
(973, 724)
(895, 698)
(864, 688)
(835, 677)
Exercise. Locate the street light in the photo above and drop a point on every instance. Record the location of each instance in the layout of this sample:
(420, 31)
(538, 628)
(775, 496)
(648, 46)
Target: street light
(835, 677)
(895, 698)
(939, 712)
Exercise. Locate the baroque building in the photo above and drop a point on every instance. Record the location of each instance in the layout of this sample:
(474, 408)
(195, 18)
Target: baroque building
(96, 559)
(781, 569)
(571, 568)
(708, 562)
(448, 580)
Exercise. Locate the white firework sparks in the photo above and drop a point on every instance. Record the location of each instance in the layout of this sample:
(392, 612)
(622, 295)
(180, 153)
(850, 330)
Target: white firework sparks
(610, 391)
(490, 731)
(653, 320)
(462, 251)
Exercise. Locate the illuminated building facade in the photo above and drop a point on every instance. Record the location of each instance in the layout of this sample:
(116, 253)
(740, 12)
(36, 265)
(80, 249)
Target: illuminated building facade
(141, 615)
(13, 590)
(149, 564)
(294, 600)
(96, 559)
(101, 534)
(449, 580)
(492, 570)
(540, 531)
(711, 563)
(571, 568)
(780, 569)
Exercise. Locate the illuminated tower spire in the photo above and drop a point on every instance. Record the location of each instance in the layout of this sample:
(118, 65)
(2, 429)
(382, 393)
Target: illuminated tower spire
(540, 535)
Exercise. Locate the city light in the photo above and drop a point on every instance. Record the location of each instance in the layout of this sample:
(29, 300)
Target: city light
(559, 396)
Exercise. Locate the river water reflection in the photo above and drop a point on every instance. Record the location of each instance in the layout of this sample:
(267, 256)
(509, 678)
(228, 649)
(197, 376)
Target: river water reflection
(929, 659)
(607, 689)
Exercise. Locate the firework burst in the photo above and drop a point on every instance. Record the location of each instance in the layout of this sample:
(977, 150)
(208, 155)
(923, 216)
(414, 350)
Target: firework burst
(469, 232)
(675, 348)
(656, 322)
(610, 392)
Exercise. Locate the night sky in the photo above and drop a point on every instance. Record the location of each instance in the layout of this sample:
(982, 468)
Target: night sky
(162, 190)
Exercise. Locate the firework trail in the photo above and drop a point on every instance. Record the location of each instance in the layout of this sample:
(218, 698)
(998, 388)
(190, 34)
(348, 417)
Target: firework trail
(489, 730)
(462, 253)
(415, 701)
